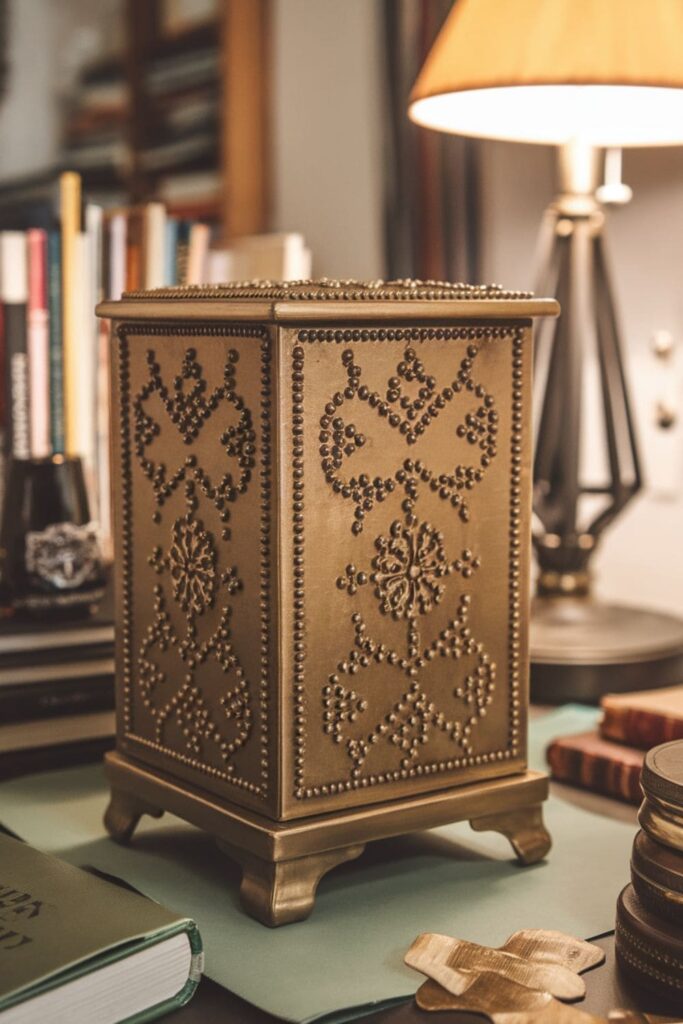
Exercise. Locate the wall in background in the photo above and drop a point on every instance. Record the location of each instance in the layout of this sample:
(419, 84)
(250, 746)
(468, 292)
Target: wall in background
(327, 132)
(641, 559)
(27, 109)
(47, 43)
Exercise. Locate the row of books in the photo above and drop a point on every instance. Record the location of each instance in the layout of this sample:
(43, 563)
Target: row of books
(609, 760)
(55, 358)
(56, 352)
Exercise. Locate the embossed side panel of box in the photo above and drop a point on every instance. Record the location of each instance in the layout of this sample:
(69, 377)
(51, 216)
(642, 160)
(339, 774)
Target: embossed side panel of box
(195, 548)
(407, 559)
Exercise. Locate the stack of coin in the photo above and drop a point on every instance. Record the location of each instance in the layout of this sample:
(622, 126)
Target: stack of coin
(649, 931)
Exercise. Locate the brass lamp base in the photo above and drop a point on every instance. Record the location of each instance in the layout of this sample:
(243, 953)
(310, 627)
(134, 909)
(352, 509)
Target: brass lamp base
(582, 649)
(283, 862)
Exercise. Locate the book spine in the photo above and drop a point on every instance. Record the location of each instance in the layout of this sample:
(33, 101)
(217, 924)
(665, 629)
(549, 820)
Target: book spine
(70, 218)
(594, 772)
(198, 254)
(84, 368)
(4, 426)
(182, 251)
(153, 244)
(8, 440)
(90, 344)
(41, 700)
(118, 229)
(134, 265)
(13, 274)
(54, 263)
(170, 251)
(38, 344)
(639, 728)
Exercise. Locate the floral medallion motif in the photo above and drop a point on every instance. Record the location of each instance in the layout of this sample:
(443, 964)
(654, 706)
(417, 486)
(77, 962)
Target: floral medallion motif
(192, 564)
(408, 566)
(409, 569)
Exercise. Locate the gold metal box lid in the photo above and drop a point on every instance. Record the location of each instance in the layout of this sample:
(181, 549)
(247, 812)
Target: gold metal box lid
(325, 299)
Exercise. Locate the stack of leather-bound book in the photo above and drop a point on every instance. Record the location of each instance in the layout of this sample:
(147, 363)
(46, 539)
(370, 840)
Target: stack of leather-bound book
(649, 929)
(609, 759)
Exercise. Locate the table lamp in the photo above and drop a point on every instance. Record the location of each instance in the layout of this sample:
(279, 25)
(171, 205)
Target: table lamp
(588, 76)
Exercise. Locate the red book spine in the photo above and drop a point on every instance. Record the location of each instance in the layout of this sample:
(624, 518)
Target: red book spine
(598, 765)
(38, 344)
(639, 728)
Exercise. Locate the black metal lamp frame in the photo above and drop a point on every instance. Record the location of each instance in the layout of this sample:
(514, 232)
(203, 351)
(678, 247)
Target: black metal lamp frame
(580, 648)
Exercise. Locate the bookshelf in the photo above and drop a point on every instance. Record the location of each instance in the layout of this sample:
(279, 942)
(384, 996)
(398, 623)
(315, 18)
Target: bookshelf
(245, 60)
(70, 235)
(240, 31)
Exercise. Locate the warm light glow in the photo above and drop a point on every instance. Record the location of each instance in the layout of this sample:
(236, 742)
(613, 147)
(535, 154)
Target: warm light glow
(603, 115)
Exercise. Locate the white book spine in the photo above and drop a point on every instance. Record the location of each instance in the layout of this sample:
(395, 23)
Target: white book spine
(14, 263)
(118, 230)
(198, 254)
(221, 266)
(14, 292)
(155, 245)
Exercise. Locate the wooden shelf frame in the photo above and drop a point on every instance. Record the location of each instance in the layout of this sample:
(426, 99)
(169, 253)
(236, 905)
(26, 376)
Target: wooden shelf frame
(244, 122)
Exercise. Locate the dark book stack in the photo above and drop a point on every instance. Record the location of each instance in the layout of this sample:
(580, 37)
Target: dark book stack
(609, 760)
(95, 139)
(182, 147)
(56, 691)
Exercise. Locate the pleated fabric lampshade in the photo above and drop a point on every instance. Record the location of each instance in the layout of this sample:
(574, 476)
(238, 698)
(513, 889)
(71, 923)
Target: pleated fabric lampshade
(548, 71)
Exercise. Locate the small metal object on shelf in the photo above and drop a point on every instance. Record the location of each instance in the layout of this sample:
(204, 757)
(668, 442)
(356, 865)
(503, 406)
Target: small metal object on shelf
(323, 557)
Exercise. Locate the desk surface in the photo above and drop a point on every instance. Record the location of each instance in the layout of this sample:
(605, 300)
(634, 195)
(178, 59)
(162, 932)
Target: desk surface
(606, 990)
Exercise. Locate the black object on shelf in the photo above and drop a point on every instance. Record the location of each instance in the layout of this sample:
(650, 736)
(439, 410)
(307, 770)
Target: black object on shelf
(50, 559)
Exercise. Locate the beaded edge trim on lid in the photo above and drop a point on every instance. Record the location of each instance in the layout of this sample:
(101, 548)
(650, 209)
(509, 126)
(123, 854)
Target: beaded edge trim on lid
(336, 290)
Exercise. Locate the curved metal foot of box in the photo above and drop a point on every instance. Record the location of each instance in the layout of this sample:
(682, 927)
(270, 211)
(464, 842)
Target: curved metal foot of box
(124, 812)
(284, 891)
(524, 828)
(283, 861)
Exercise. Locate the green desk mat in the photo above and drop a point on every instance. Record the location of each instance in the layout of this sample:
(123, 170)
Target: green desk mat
(349, 954)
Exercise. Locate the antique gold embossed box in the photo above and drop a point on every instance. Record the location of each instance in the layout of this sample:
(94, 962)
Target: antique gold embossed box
(322, 500)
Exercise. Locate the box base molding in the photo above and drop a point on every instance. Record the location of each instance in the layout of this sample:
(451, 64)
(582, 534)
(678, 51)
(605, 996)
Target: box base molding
(283, 862)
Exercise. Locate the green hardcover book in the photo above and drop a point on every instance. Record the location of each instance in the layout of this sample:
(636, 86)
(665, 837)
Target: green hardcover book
(75, 948)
